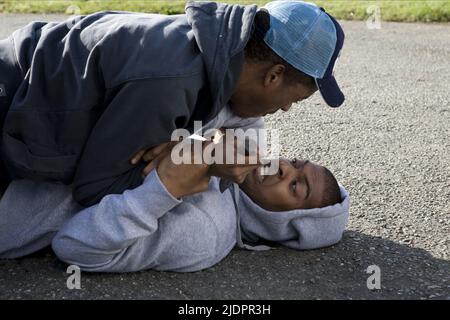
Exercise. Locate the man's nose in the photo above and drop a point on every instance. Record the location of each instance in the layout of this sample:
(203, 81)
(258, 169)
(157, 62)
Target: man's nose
(287, 107)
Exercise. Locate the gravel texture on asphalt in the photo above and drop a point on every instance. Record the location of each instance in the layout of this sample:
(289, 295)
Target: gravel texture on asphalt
(388, 145)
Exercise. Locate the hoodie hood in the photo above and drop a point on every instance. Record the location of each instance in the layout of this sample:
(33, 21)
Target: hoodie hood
(299, 229)
(221, 32)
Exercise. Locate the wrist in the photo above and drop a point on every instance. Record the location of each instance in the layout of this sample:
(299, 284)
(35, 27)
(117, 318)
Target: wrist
(173, 188)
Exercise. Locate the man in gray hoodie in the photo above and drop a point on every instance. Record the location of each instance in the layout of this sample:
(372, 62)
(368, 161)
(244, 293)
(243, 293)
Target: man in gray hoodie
(172, 227)
(79, 99)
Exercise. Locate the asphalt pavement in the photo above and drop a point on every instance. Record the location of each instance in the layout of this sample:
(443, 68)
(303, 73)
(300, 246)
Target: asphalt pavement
(389, 145)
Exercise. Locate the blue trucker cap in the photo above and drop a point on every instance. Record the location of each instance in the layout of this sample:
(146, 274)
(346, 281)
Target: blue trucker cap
(309, 39)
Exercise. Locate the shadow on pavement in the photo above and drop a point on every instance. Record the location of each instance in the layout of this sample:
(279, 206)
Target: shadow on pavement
(337, 272)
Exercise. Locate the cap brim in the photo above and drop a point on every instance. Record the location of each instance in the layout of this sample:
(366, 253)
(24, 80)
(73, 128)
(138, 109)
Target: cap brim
(330, 91)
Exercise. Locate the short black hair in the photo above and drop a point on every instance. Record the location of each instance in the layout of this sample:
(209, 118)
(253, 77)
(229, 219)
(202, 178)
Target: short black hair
(332, 192)
(257, 50)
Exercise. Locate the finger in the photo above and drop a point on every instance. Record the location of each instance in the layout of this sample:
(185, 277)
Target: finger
(238, 172)
(239, 179)
(242, 178)
(155, 162)
(154, 152)
(247, 167)
(137, 157)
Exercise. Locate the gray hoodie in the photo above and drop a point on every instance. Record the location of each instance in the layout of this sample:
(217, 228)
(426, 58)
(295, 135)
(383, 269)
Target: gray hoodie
(147, 228)
(113, 83)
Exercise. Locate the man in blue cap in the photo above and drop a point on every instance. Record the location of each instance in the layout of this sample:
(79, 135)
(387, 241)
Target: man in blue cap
(79, 99)
(291, 54)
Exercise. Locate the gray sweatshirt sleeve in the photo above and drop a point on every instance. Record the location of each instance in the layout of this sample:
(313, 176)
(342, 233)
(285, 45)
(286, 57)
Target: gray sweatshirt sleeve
(143, 228)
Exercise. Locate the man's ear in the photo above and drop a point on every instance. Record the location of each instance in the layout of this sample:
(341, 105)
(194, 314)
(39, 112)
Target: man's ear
(274, 75)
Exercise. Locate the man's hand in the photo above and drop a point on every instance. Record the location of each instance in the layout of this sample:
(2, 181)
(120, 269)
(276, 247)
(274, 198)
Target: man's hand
(185, 179)
(150, 155)
(181, 179)
(235, 171)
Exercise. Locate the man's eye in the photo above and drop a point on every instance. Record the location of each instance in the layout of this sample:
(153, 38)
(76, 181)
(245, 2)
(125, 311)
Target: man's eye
(294, 161)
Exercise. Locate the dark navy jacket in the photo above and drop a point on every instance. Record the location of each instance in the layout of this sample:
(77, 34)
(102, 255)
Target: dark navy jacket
(85, 95)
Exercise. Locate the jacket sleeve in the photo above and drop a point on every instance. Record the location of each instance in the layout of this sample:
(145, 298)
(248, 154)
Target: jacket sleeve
(140, 115)
(137, 230)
